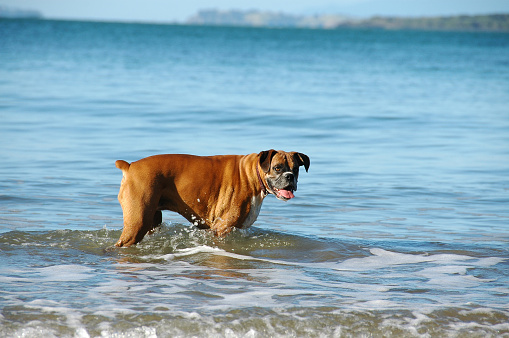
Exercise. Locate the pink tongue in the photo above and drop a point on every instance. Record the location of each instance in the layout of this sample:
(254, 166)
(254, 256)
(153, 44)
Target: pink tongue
(286, 194)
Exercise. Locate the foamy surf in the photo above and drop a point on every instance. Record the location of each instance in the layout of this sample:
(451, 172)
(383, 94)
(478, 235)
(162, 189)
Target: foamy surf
(254, 283)
(204, 249)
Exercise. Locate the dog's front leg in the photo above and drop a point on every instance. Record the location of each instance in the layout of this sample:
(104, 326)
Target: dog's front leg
(222, 227)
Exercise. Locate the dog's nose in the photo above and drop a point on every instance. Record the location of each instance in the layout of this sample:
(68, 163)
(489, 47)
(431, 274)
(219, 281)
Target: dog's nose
(289, 176)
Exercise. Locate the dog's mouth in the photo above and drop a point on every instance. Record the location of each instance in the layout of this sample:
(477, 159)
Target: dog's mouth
(284, 194)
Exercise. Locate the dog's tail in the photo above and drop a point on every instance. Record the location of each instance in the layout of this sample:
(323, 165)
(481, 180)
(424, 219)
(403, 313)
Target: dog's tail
(122, 165)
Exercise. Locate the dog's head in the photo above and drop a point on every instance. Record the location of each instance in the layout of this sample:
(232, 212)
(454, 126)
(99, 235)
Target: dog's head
(281, 171)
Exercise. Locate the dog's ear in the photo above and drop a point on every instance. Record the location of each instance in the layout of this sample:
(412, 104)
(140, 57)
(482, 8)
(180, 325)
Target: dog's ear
(265, 159)
(302, 159)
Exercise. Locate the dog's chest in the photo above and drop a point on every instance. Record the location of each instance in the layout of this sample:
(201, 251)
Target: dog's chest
(256, 205)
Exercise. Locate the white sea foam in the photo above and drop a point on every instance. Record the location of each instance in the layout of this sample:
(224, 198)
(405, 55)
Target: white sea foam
(380, 259)
(193, 251)
(289, 279)
(206, 278)
(217, 251)
(61, 273)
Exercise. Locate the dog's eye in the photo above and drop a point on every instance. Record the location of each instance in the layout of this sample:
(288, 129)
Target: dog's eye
(277, 168)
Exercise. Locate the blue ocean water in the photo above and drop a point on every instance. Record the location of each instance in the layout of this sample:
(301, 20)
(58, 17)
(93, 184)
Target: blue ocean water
(400, 228)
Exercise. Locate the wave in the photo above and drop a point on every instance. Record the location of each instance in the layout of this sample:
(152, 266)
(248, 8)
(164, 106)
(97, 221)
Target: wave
(183, 281)
(260, 322)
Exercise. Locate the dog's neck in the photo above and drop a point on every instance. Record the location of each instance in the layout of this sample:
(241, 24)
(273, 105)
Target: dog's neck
(264, 188)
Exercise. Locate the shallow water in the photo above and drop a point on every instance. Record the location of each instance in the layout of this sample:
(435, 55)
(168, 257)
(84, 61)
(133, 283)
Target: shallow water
(398, 229)
(184, 281)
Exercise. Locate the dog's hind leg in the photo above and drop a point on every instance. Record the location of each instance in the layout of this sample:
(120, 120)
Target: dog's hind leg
(140, 217)
(158, 220)
(134, 229)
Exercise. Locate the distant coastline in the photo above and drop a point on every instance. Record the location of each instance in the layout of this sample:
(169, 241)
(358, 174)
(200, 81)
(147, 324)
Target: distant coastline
(16, 13)
(254, 18)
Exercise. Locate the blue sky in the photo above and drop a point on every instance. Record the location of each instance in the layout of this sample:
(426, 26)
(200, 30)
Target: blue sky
(178, 10)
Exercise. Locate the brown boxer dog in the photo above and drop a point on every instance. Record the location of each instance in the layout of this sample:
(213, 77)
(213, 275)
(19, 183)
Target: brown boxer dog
(212, 192)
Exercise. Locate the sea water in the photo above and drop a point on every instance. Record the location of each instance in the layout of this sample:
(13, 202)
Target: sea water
(400, 228)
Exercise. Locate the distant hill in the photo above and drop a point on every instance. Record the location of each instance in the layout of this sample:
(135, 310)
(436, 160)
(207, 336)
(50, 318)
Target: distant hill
(253, 18)
(264, 19)
(493, 23)
(14, 13)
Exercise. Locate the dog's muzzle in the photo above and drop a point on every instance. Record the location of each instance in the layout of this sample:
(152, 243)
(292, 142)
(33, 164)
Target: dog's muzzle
(284, 186)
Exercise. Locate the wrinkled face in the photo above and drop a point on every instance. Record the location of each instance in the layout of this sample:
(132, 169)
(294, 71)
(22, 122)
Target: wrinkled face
(282, 171)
